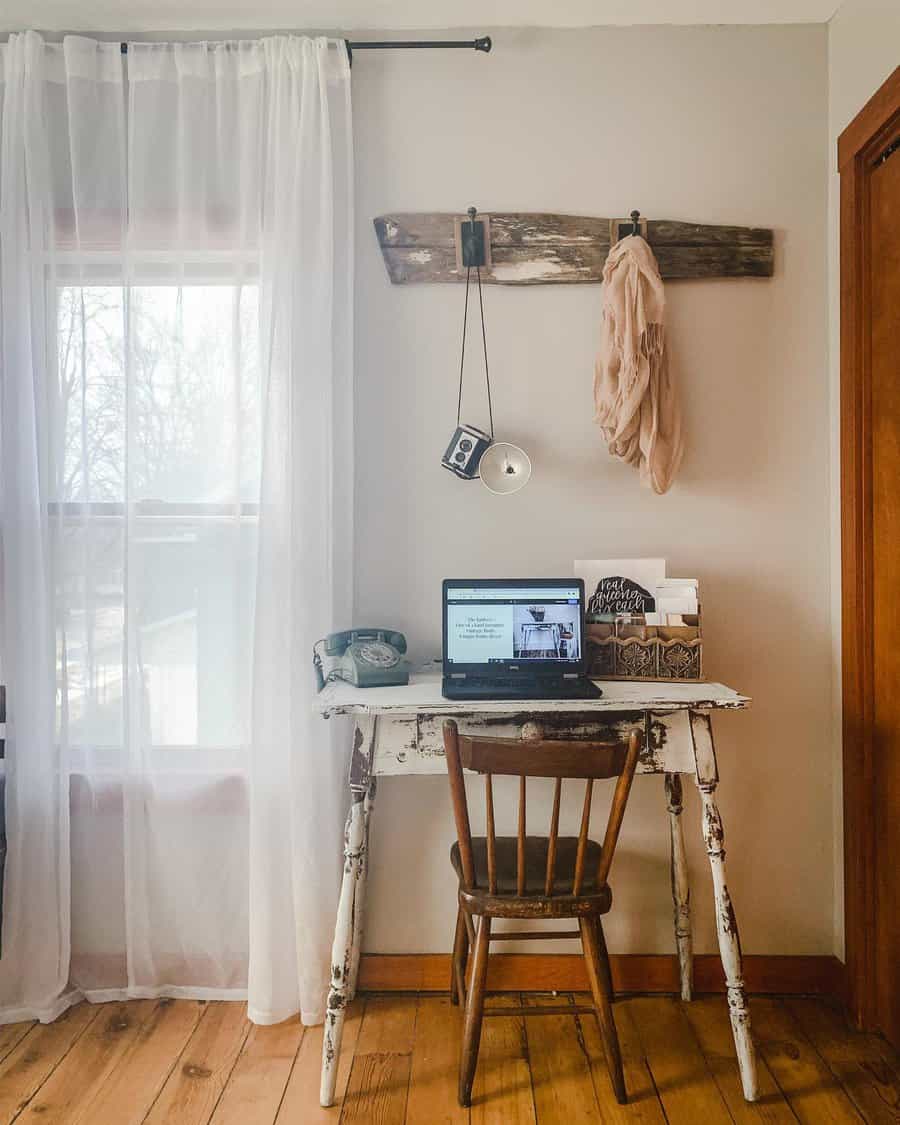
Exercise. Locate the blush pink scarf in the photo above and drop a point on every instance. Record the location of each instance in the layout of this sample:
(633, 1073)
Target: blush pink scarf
(636, 405)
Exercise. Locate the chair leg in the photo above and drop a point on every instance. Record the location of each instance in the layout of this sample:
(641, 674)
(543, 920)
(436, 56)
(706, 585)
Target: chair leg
(468, 1058)
(605, 970)
(590, 945)
(460, 957)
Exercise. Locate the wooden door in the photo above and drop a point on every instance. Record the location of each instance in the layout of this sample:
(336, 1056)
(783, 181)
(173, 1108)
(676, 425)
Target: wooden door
(884, 335)
(869, 162)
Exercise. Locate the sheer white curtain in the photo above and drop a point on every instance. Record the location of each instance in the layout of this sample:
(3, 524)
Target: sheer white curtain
(175, 510)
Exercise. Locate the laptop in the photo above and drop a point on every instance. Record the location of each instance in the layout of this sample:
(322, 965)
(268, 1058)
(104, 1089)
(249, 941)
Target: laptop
(515, 638)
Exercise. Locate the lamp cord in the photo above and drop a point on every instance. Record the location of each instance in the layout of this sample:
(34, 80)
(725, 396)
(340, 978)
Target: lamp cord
(462, 351)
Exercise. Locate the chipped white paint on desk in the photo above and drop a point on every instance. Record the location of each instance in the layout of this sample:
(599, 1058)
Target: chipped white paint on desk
(398, 731)
(423, 692)
(412, 742)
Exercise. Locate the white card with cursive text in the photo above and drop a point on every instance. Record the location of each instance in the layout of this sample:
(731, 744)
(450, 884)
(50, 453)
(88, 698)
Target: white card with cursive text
(619, 586)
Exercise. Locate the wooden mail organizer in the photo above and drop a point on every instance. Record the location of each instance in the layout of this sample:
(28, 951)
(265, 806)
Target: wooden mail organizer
(620, 651)
(398, 731)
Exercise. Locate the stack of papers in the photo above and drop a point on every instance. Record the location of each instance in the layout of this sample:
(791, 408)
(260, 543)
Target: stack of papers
(675, 598)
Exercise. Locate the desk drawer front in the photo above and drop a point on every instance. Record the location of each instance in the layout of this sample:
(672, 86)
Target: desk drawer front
(409, 745)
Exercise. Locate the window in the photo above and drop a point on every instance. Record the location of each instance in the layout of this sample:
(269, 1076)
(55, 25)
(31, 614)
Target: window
(155, 510)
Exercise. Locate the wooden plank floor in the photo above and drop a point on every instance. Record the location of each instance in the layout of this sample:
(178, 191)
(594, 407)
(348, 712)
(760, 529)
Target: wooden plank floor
(183, 1062)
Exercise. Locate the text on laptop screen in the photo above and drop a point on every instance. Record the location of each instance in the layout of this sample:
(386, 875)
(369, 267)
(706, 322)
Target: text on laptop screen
(498, 624)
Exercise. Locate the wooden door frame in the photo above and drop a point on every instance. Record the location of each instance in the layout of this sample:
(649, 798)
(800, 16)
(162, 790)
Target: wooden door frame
(857, 146)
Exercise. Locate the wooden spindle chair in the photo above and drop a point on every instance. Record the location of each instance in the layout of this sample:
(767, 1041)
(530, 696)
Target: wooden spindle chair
(532, 877)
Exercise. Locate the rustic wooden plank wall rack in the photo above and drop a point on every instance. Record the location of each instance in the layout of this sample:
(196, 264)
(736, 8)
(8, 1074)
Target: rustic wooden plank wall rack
(535, 248)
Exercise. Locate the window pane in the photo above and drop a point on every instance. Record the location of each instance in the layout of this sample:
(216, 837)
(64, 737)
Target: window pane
(91, 394)
(195, 388)
(192, 591)
(157, 448)
(90, 559)
(185, 391)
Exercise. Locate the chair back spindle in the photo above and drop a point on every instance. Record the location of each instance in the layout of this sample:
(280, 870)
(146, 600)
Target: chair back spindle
(460, 804)
(617, 810)
(553, 838)
(583, 834)
(491, 833)
(520, 843)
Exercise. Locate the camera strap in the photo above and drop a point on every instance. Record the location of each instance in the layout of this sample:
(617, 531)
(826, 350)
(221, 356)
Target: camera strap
(462, 354)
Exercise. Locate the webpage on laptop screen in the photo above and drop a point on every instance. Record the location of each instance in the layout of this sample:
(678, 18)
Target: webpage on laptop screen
(497, 624)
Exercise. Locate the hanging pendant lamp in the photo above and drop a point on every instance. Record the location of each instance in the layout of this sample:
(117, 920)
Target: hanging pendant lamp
(502, 467)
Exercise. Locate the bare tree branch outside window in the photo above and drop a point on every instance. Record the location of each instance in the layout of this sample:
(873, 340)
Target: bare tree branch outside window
(156, 482)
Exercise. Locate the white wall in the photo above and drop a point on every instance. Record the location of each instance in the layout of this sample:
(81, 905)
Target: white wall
(721, 125)
(863, 49)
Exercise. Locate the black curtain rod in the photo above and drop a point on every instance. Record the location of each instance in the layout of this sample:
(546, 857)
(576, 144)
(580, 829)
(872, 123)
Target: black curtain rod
(483, 43)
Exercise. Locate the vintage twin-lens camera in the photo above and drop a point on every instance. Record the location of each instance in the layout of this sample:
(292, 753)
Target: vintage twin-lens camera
(465, 451)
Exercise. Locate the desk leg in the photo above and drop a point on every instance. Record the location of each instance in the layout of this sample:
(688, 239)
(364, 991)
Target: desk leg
(360, 900)
(729, 940)
(681, 889)
(345, 932)
(348, 924)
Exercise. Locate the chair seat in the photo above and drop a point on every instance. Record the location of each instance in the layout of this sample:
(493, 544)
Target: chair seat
(535, 866)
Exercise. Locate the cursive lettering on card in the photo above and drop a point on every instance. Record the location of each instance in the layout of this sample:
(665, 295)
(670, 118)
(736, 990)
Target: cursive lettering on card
(620, 595)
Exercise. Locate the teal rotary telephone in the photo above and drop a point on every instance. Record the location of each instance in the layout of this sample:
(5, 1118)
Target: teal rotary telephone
(367, 658)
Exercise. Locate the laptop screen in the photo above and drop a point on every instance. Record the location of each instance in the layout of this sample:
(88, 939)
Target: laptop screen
(515, 622)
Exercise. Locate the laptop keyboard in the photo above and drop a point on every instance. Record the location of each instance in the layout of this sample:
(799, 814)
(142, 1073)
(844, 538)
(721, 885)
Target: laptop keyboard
(474, 688)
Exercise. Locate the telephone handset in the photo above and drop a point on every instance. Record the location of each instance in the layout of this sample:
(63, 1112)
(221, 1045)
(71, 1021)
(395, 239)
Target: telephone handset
(367, 658)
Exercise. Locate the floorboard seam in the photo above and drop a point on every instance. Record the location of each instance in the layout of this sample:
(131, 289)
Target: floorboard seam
(801, 1034)
(709, 1070)
(290, 1072)
(231, 1069)
(175, 1063)
(16, 1042)
(526, 1049)
(59, 1061)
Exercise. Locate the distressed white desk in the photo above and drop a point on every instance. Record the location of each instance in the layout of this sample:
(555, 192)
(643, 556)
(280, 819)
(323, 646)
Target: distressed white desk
(398, 731)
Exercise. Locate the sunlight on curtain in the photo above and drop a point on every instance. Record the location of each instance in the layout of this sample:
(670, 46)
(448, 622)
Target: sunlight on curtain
(177, 288)
(156, 534)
